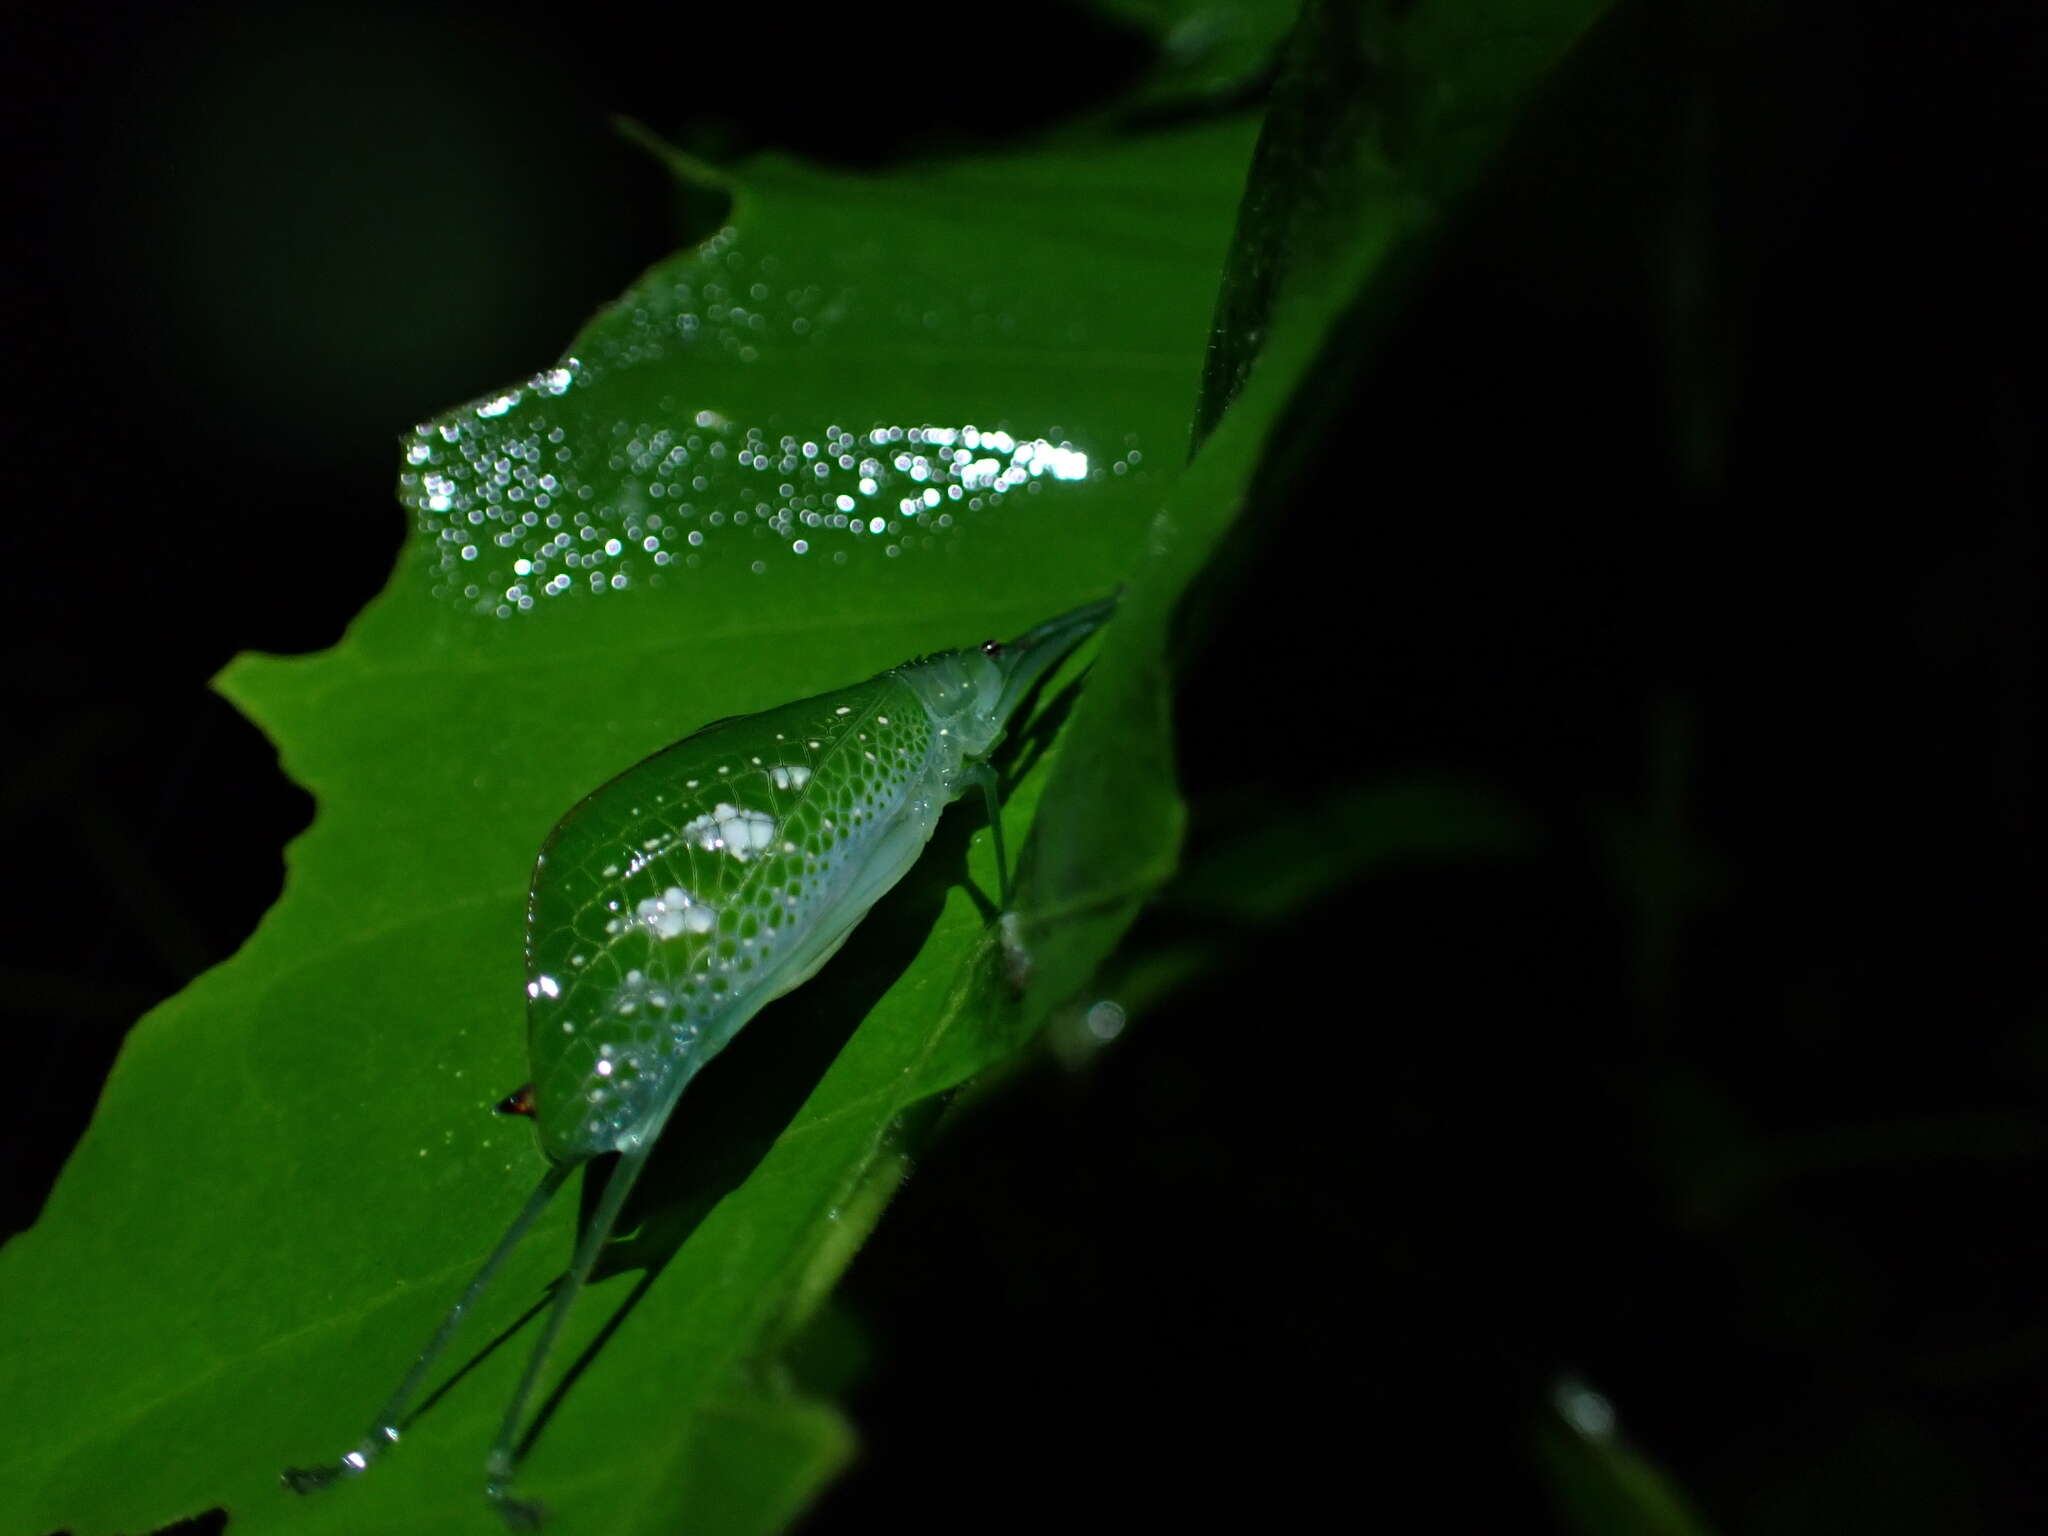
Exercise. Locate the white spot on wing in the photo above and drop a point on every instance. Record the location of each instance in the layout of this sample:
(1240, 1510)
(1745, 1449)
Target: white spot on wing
(670, 915)
(729, 829)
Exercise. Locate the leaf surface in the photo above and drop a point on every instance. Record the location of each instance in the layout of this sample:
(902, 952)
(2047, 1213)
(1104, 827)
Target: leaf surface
(898, 413)
(874, 417)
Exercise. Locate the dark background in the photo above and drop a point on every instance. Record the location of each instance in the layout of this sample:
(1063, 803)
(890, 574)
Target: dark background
(1693, 507)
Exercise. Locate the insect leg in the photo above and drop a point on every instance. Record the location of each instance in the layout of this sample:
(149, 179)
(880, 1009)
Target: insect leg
(1016, 958)
(985, 776)
(384, 1432)
(524, 1514)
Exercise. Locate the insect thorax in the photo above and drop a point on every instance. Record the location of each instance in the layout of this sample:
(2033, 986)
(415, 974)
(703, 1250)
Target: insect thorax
(962, 694)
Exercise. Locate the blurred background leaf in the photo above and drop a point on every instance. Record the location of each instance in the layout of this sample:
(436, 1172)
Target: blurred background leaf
(1599, 1483)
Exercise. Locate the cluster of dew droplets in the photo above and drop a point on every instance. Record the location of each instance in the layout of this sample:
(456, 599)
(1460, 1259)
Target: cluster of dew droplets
(533, 493)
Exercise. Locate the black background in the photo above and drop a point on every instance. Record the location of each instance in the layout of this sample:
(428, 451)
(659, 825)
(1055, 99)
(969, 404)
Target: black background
(1694, 506)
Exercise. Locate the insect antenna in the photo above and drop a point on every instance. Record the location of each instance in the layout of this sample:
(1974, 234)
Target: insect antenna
(384, 1431)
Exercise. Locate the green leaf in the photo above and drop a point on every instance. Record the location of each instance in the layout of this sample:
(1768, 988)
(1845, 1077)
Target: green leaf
(294, 1165)
(1385, 116)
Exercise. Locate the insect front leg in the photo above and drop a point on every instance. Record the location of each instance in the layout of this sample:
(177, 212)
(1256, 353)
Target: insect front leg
(1016, 958)
(984, 777)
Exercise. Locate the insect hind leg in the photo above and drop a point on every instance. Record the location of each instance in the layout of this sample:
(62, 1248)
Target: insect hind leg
(525, 1514)
(384, 1431)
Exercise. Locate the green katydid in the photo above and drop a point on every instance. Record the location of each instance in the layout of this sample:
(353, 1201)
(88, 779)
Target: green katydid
(671, 904)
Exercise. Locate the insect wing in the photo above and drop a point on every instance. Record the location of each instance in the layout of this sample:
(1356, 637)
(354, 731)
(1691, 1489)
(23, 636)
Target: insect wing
(663, 905)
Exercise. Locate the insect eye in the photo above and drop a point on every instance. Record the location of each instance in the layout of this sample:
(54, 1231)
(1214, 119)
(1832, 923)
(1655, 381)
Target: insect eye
(991, 647)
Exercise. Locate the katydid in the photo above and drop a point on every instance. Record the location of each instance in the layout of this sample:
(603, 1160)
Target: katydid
(670, 905)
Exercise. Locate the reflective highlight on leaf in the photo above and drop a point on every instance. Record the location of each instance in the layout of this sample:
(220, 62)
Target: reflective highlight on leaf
(670, 435)
(519, 503)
